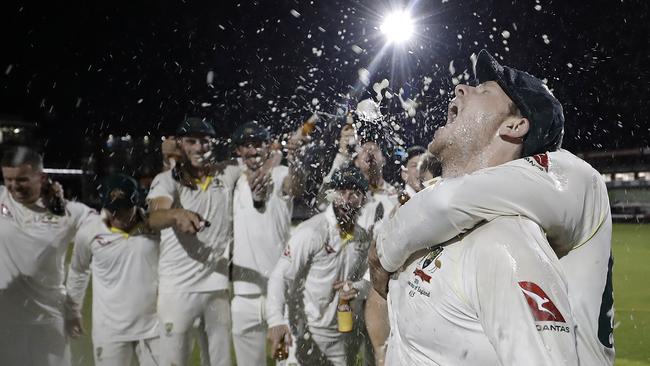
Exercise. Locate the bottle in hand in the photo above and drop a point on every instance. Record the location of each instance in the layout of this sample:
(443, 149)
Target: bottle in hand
(344, 315)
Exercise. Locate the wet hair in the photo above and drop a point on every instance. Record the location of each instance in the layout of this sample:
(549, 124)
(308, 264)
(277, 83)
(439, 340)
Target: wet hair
(22, 155)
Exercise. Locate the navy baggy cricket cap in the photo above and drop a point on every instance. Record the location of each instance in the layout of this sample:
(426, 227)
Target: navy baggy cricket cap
(192, 126)
(349, 177)
(119, 191)
(534, 100)
(250, 132)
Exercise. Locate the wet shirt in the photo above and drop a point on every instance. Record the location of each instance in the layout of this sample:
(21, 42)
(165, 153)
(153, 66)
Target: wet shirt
(32, 249)
(558, 191)
(212, 199)
(259, 235)
(124, 271)
(496, 297)
(317, 256)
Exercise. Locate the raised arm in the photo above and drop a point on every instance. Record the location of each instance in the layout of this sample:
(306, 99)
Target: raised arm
(569, 202)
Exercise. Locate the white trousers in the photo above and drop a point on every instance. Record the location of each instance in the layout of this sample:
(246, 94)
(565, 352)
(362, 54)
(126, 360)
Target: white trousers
(34, 344)
(121, 353)
(249, 329)
(178, 311)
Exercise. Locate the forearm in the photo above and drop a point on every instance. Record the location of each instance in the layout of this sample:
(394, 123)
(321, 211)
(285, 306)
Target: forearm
(76, 286)
(276, 298)
(161, 219)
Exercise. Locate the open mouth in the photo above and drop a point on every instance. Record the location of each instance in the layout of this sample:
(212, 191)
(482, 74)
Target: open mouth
(452, 112)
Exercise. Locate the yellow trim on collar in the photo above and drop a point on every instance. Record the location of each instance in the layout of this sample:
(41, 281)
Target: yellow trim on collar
(205, 184)
(347, 237)
(115, 230)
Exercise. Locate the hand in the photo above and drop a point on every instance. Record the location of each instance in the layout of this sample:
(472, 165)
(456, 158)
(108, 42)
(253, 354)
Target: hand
(278, 335)
(348, 137)
(74, 327)
(346, 291)
(188, 222)
(378, 275)
(259, 183)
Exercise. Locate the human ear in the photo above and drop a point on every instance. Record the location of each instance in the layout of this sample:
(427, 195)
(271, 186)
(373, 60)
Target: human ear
(514, 129)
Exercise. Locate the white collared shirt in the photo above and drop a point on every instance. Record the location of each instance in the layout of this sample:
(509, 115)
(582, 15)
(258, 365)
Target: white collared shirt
(178, 271)
(125, 281)
(259, 235)
(316, 256)
(33, 243)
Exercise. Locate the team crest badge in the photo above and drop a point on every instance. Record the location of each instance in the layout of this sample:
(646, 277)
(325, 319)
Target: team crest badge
(429, 264)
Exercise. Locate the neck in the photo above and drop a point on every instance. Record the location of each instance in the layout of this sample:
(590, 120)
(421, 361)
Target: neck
(125, 225)
(492, 155)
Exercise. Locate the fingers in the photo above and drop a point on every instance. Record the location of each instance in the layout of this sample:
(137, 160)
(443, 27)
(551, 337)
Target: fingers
(338, 285)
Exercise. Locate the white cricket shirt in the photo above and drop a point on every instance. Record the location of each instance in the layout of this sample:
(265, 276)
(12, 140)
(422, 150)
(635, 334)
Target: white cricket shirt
(317, 256)
(33, 243)
(496, 297)
(213, 201)
(561, 193)
(259, 236)
(125, 281)
(386, 197)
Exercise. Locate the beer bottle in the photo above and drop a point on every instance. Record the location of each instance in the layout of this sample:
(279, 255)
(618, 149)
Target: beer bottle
(344, 313)
(310, 125)
(403, 198)
(281, 352)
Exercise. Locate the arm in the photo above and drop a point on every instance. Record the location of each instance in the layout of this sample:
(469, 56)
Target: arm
(455, 205)
(77, 283)
(296, 256)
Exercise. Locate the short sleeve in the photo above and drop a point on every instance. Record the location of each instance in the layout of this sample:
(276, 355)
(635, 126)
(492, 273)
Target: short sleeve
(163, 185)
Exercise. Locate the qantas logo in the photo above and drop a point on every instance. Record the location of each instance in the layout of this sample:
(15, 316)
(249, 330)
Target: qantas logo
(540, 161)
(540, 304)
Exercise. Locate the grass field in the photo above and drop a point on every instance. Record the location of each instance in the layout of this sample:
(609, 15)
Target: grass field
(631, 246)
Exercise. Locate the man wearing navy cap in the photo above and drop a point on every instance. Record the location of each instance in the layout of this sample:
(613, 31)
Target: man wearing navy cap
(122, 254)
(262, 208)
(194, 201)
(514, 292)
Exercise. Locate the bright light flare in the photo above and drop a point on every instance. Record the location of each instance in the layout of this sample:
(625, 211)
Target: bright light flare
(397, 27)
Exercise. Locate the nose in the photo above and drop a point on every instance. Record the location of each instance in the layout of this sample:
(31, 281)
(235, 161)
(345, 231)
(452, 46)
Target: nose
(461, 90)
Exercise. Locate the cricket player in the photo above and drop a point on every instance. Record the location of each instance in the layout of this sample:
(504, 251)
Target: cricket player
(262, 211)
(326, 258)
(122, 254)
(569, 201)
(519, 271)
(410, 171)
(37, 225)
(194, 200)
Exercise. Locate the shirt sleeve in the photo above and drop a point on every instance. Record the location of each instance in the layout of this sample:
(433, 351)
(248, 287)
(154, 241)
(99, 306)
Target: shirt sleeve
(296, 256)
(162, 186)
(520, 297)
(78, 275)
(453, 206)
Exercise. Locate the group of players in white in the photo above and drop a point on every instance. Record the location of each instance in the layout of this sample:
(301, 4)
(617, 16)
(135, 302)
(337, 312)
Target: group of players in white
(505, 259)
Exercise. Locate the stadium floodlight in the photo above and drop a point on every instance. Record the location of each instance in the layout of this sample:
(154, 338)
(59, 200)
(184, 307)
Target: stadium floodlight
(397, 26)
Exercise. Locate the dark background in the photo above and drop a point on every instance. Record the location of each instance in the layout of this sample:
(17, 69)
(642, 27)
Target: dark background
(84, 69)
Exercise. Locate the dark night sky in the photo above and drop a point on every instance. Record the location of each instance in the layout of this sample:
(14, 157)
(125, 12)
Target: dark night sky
(84, 70)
